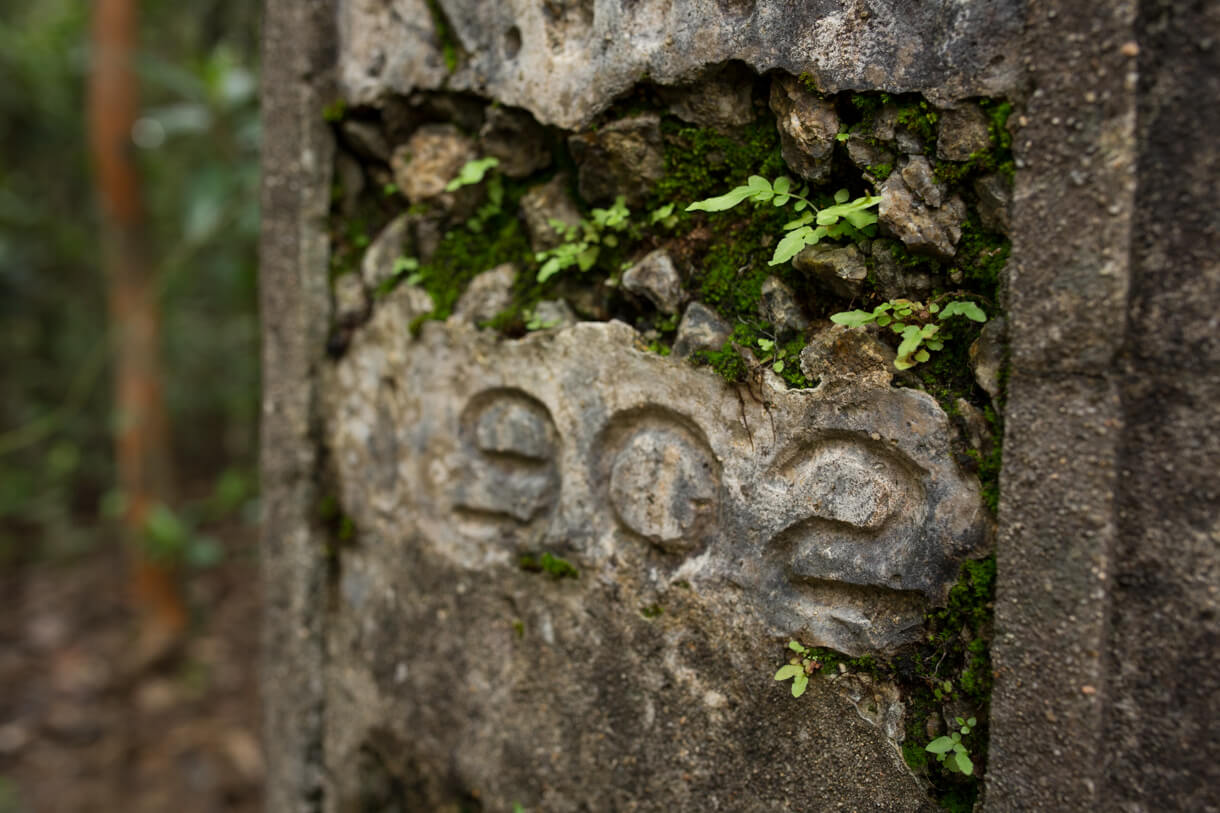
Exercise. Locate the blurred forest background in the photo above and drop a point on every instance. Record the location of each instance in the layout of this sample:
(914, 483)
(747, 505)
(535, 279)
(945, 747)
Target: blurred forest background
(82, 726)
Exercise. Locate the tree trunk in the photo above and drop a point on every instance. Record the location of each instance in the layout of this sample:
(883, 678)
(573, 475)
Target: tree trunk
(142, 426)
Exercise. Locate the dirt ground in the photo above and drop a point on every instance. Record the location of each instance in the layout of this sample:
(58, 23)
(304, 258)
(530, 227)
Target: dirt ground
(79, 731)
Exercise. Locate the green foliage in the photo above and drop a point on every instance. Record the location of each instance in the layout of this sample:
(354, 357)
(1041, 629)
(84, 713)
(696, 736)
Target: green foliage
(915, 322)
(553, 566)
(196, 143)
(472, 172)
(951, 751)
(800, 666)
(535, 322)
(699, 161)
(582, 244)
(450, 47)
(843, 218)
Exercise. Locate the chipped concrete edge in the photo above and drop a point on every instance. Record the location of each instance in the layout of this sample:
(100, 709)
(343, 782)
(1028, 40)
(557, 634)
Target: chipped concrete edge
(297, 58)
(1070, 271)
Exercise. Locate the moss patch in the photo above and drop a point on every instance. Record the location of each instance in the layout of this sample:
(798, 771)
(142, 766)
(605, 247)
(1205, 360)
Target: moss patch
(553, 566)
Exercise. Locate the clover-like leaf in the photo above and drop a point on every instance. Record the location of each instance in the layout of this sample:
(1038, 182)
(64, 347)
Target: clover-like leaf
(799, 683)
(472, 172)
(940, 745)
(722, 202)
(792, 244)
(841, 196)
(804, 220)
(854, 318)
(968, 309)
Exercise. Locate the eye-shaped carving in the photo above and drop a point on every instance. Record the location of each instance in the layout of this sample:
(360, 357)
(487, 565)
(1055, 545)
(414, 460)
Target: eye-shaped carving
(850, 481)
(663, 479)
(511, 446)
(855, 510)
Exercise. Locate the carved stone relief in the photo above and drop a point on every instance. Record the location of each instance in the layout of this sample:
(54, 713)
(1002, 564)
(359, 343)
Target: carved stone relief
(835, 514)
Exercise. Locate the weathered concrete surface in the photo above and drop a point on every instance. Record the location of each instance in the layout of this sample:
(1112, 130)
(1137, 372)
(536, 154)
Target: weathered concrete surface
(296, 162)
(566, 60)
(833, 514)
(1109, 551)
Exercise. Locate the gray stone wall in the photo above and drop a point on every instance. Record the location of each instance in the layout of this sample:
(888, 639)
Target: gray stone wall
(559, 569)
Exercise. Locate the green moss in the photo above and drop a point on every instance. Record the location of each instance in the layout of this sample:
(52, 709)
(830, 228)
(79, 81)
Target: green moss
(701, 162)
(920, 119)
(981, 256)
(881, 171)
(553, 566)
(518, 628)
(335, 111)
(451, 48)
(989, 464)
(463, 254)
(651, 611)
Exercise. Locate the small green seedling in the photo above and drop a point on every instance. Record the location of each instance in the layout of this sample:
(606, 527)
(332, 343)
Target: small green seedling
(915, 322)
(777, 356)
(472, 172)
(951, 751)
(842, 219)
(582, 243)
(475, 172)
(535, 322)
(663, 216)
(799, 667)
(410, 267)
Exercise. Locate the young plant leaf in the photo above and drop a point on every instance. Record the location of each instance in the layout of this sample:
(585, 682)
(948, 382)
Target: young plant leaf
(968, 309)
(722, 202)
(963, 763)
(799, 683)
(940, 745)
(472, 172)
(853, 318)
(789, 670)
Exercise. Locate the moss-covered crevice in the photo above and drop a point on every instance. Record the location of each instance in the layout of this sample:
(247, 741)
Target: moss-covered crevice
(724, 260)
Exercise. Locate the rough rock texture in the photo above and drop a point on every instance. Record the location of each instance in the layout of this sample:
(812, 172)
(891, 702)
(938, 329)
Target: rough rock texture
(807, 128)
(365, 139)
(351, 300)
(516, 139)
(987, 356)
(961, 132)
(893, 280)
(924, 229)
(839, 269)
(655, 278)
(778, 306)
(867, 155)
(392, 242)
(554, 313)
(544, 203)
(832, 514)
(995, 200)
(626, 157)
(565, 62)
(917, 175)
(487, 294)
(429, 161)
(723, 99)
(701, 328)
